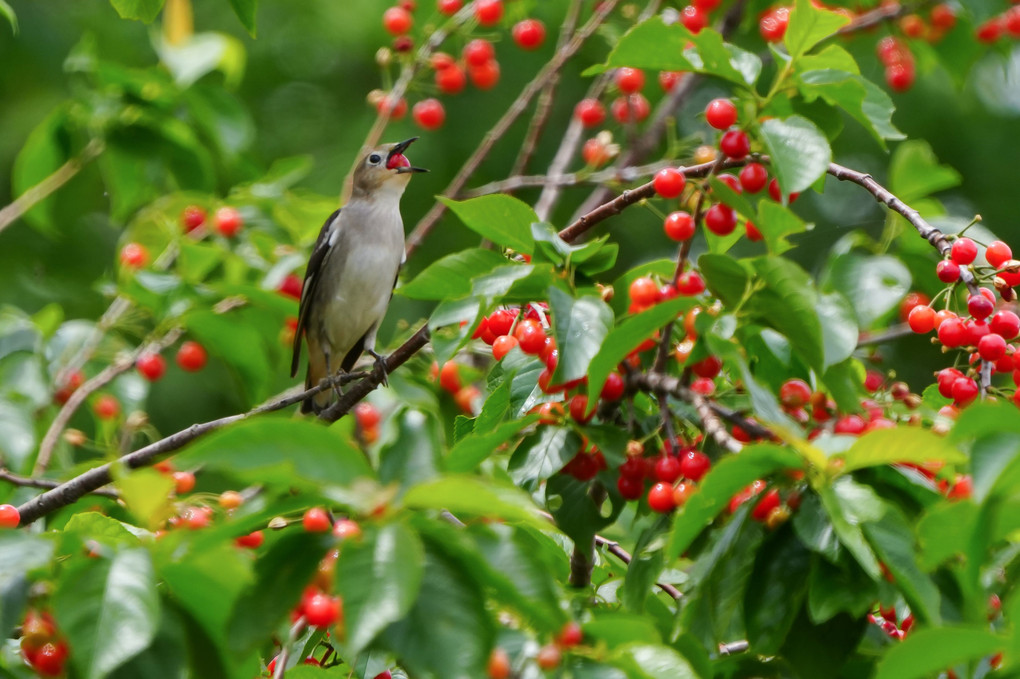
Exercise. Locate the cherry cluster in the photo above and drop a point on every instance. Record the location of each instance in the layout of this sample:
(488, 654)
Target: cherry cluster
(227, 221)
(42, 647)
(548, 657)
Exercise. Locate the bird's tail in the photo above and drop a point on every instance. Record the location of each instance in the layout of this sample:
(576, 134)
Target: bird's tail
(316, 373)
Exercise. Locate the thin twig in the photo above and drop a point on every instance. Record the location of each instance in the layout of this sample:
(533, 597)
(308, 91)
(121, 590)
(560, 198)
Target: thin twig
(39, 192)
(881, 14)
(893, 332)
(77, 398)
(613, 174)
(520, 104)
(281, 660)
(27, 482)
(620, 553)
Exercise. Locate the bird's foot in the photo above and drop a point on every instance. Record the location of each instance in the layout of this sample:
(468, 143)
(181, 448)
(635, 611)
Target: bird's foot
(380, 365)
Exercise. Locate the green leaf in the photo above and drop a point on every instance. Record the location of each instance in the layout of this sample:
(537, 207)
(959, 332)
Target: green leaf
(839, 328)
(849, 504)
(8, 13)
(625, 337)
(415, 454)
(274, 450)
(109, 610)
(42, 154)
(222, 335)
(474, 496)
(914, 172)
(581, 325)
(902, 444)
(809, 25)
(469, 452)
(927, 652)
(20, 554)
(17, 434)
(725, 277)
(575, 511)
(281, 573)
(99, 529)
(650, 661)
(839, 588)
(616, 628)
(893, 541)
(147, 494)
(798, 150)
(432, 640)
(723, 480)
(873, 284)
(450, 277)
(787, 303)
(776, 222)
(945, 531)
(245, 11)
(378, 577)
(864, 101)
(814, 650)
(543, 454)
(775, 591)
(504, 220)
(644, 568)
(832, 57)
(142, 10)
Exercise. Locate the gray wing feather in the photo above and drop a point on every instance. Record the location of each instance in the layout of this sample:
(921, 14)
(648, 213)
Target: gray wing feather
(319, 251)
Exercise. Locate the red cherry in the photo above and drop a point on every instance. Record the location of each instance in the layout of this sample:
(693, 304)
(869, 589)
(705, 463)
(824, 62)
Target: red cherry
(191, 356)
(590, 112)
(478, 52)
(578, 409)
(773, 25)
(531, 336)
(396, 109)
(693, 19)
(679, 226)
(486, 76)
(669, 79)
(630, 80)
(721, 113)
(630, 487)
(794, 393)
(49, 660)
(499, 664)
(184, 482)
(682, 492)
(631, 109)
(694, 465)
(752, 232)
(346, 529)
(947, 271)
(397, 20)
(192, 217)
(1005, 323)
(850, 424)
(998, 253)
(595, 152)
(502, 346)
(613, 389)
(10, 517)
(965, 390)
(900, 76)
(660, 497)
(964, 251)
(571, 635)
(321, 610)
(548, 657)
(488, 12)
(753, 177)
(367, 415)
(707, 5)
(429, 114)
(731, 181)
(720, 219)
(989, 31)
(106, 407)
(451, 80)
(979, 306)
(644, 291)
(529, 34)
(449, 7)
(735, 144)
(776, 193)
(228, 221)
(151, 366)
(667, 469)
(992, 347)
(449, 377)
(134, 256)
(690, 283)
(316, 520)
(291, 286)
(942, 16)
(252, 540)
(669, 182)
(921, 319)
(873, 380)
(765, 505)
(707, 367)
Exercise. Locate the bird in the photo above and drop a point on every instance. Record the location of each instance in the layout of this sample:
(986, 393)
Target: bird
(352, 271)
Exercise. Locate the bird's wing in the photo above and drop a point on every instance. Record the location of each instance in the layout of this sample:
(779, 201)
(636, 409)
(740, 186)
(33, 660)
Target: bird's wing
(319, 251)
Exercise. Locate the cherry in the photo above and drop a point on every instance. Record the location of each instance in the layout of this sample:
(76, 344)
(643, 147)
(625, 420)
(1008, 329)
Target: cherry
(10, 517)
(679, 226)
(694, 465)
(252, 540)
(440, 60)
(911, 300)
(753, 177)
(942, 16)
(531, 336)
(629, 80)
(488, 12)
(850, 424)
(502, 346)
(429, 114)
(631, 109)
(106, 407)
(964, 251)
(669, 182)
(773, 25)
(291, 286)
(693, 19)
(992, 347)
(529, 34)
(449, 7)
(900, 76)
(921, 319)
(945, 379)
(669, 79)
(579, 409)
(449, 377)
(644, 291)
(451, 80)
(196, 518)
(912, 26)
(766, 504)
(690, 283)
(947, 271)
(367, 415)
(989, 31)
(322, 610)
(571, 635)
(752, 232)
(49, 660)
(1005, 323)
(721, 113)
(660, 497)
(873, 380)
(397, 20)
(316, 520)
(74, 380)
(403, 43)
(732, 182)
(346, 529)
(134, 256)
(979, 306)
(192, 217)
(590, 112)
(965, 390)
(667, 468)
(151, 366)
(184, 482)
(499, 664)
(630, 487)
(707, 5)
(191, 356)
(486, 76)
(776, 193)
(735, 144)
(707, 367)
(720, 219)
(595, 153)
(682, 492)
(794, 393)
(998, 253)
(478, 52)
(383, 675)
(613, 389)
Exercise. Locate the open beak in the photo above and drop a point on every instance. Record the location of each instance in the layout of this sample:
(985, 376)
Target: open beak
(400, 148)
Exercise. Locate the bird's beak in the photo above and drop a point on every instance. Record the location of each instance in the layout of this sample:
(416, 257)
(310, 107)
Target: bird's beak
(400, 148)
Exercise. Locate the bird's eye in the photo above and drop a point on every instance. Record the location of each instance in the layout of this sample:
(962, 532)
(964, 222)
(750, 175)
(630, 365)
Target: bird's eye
(375, 158)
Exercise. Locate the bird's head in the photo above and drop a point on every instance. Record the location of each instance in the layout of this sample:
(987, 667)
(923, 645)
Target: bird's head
(385, 169)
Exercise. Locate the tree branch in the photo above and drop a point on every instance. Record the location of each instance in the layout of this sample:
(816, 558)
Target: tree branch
(26, 482)
(620, 553)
